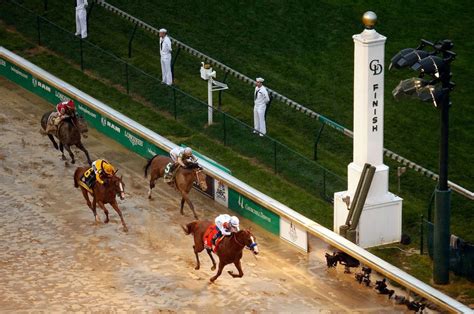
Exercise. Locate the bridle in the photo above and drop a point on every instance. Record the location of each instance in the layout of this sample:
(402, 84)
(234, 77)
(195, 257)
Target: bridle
(250, 247)
(198, 180)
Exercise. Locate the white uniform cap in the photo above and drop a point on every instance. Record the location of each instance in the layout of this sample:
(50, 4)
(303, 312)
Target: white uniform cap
(259, 79)
(163, 30)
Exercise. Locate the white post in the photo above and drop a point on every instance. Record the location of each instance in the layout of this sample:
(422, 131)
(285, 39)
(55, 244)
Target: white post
(210, 110)
(380, 221)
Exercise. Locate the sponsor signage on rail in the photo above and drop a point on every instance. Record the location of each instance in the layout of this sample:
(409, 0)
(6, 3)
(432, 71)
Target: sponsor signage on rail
(250, 210)
(221, 193)
(293, 234)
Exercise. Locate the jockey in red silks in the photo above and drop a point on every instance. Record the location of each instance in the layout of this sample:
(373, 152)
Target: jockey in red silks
(64, 109)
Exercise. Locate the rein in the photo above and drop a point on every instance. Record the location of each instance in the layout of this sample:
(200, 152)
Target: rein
(197, 177)
(237, 241)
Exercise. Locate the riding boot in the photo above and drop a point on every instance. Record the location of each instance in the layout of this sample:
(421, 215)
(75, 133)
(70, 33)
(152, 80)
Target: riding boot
(89, 181)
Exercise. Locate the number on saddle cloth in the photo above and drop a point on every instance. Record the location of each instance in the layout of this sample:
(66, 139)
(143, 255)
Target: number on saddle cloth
(168, 176)
(89, 178)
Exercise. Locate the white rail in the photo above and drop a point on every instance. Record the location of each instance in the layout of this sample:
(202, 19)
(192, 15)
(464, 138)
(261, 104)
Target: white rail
(379, 265)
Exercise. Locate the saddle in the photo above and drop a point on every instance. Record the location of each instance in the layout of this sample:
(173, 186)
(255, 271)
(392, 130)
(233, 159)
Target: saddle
(170, 173)
(209, 235)
(88, 180)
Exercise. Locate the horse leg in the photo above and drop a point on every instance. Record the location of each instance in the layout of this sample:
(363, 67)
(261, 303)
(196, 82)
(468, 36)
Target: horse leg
(209, 252)
(238, 265)
(53, 141)
(186, 198)
(86, 197)
(182, 205)
(61, 148)
(68, 148)
(119, 212)
(219, 271)
(81, 147)
(152, 185)
(94, 207)
(196, 252)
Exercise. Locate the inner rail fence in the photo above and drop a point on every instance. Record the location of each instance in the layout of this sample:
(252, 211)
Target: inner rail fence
(289, 102)
(182, 106)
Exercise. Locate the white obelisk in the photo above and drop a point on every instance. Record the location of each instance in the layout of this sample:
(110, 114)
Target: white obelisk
(381, 219)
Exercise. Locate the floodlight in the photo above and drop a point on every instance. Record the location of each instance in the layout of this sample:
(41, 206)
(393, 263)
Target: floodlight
(407, 57)
(432, 65)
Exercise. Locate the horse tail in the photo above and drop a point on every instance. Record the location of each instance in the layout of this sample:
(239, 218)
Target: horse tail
(189, 228)
(76, 185)
(148, 165)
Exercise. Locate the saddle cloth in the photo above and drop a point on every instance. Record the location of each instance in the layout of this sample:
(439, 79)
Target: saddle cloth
(88, 180)
(209, 235)
(168, 175)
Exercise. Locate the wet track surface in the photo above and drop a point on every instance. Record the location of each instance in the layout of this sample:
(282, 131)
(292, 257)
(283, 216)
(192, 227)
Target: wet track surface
(54, 257)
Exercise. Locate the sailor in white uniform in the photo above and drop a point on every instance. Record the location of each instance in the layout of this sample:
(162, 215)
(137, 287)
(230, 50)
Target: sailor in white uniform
(81, 18)
(261, 99)
(165, 53)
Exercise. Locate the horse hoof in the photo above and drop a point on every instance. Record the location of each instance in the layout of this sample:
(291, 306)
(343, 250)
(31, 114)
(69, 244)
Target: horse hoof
(197, 267)
(63, 157)
(213, 268)
(212, 280)
(106, 221)
(125, 229)
(73, 162)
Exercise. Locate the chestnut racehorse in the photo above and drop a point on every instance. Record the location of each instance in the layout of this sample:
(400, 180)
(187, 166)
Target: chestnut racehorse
(102, 194)
(229, 250)
(184, 178)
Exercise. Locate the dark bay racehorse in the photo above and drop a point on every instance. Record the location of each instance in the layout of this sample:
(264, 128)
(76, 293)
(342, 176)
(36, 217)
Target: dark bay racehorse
(69, 133)
(229, 250)
(184, 179)
(102, 194)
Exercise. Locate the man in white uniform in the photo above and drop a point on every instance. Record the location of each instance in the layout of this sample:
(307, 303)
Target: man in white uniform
(165, 53)
(81, 18)
(261, 100)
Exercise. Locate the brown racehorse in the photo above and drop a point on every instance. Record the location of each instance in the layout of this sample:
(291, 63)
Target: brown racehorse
(69, 133)
(103, 194)
(229, 250)
(184, 179)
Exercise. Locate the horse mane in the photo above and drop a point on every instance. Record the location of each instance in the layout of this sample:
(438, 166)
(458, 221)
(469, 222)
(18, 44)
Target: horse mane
(193, 165)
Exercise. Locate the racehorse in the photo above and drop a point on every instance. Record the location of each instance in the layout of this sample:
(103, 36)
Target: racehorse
(102, 194)
(184, 178)
(69, 133)
(229, 250)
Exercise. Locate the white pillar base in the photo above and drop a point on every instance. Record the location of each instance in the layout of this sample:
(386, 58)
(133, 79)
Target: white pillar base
(380, 223)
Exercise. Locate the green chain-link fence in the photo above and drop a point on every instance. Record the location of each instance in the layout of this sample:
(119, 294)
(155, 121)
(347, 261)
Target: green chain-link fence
(185, 108)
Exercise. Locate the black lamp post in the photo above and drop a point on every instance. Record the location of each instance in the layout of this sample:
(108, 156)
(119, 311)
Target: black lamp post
(435, 63)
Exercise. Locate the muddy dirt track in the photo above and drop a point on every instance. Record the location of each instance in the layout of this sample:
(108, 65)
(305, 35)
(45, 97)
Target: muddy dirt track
(53, 257)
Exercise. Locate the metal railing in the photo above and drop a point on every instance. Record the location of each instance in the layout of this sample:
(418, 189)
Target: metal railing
(182, 106)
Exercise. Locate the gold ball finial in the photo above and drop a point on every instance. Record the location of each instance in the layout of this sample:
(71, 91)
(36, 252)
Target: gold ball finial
(369, 19)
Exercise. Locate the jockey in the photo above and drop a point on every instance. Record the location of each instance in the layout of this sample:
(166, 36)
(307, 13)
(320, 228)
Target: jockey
(102, 169)
(181, 156)
(64, 109)
(226, 225)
